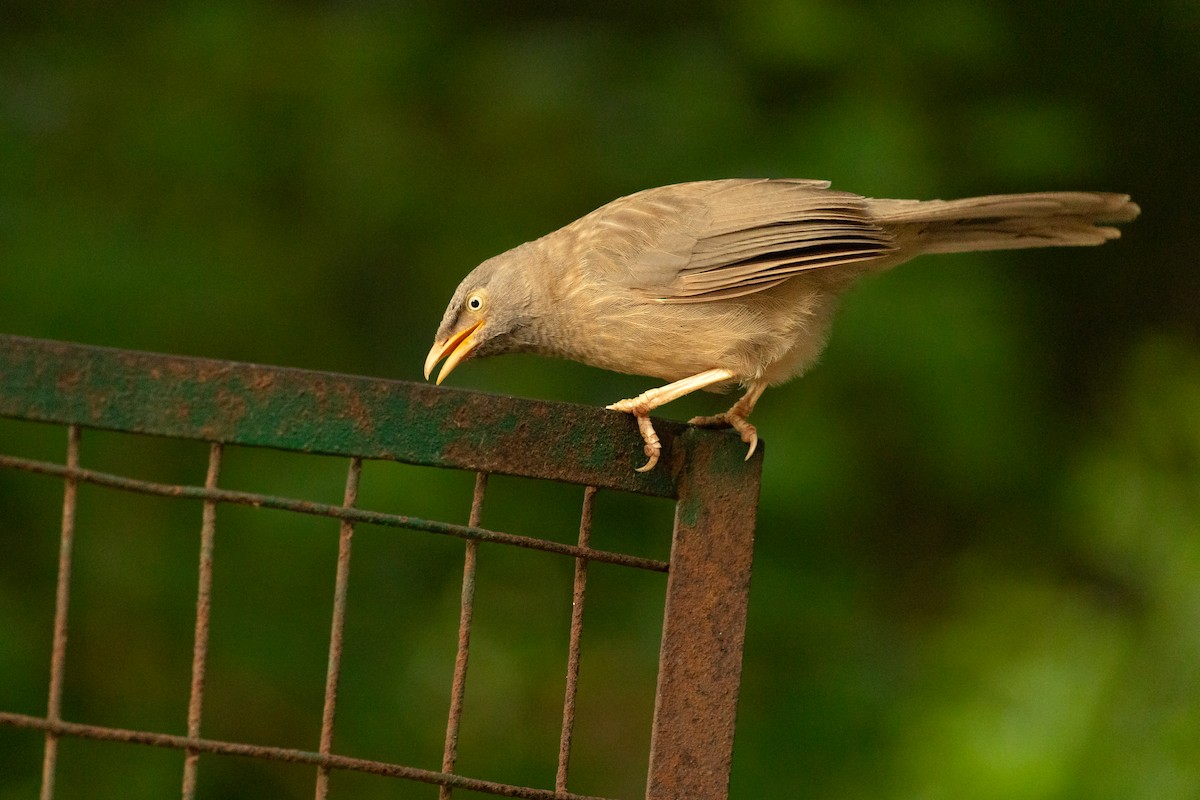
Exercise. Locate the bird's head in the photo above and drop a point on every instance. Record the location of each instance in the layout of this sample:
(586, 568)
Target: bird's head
(488, 313)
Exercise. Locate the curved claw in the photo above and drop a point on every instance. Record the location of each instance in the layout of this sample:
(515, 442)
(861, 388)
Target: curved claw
(730, 419)
(649, 465)
(753, 445)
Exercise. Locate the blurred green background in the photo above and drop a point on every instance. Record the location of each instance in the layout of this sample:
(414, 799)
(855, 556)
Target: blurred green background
(978, 562)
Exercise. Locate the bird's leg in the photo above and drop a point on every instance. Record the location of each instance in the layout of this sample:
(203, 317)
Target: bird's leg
(736, 417)
(647, 401)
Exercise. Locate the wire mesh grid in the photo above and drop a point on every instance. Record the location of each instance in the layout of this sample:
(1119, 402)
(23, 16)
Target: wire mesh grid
(224, 403)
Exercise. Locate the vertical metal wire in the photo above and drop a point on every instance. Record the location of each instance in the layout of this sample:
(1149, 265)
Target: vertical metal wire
(458, 688)
(338, 627)
(62, 596)
(577, 599)
(208, 530)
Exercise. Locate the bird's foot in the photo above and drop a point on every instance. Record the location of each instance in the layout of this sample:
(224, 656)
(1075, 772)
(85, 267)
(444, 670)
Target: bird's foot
(647, 401)
(653, 447)
(641, 413)
(731, 419)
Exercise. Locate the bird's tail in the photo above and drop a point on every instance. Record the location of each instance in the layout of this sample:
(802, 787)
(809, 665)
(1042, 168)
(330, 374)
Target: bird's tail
(1005, 221)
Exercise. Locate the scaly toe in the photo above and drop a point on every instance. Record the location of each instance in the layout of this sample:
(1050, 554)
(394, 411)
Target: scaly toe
(715, 421)
(630, 406)
(653, 447)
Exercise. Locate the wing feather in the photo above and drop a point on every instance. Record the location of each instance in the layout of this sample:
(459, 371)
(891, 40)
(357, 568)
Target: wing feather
(742, 237)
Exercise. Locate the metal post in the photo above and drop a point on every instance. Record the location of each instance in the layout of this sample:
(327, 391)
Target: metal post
(700, 666)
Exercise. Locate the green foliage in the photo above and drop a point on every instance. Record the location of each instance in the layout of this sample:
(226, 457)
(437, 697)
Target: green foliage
(979, 541)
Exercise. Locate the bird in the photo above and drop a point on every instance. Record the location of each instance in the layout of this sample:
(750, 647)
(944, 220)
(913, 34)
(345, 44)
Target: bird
(719, 284)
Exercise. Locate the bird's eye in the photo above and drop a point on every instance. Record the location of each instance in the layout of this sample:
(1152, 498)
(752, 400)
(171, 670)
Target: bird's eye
(475, 302)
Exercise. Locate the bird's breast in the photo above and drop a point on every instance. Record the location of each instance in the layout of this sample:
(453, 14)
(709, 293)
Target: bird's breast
(633, 335)
(772, 335)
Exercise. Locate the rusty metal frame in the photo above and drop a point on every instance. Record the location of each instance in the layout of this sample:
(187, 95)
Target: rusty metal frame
(228, 403)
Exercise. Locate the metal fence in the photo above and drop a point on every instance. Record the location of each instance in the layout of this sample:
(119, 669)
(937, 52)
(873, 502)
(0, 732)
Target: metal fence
(226, 403)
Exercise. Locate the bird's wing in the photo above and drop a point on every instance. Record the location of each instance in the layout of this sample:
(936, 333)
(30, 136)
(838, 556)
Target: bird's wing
(715, 240)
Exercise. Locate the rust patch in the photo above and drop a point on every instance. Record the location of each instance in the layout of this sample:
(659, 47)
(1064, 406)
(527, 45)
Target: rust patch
(424, 395)
(231, 406)
(97, 403)
(354, 409)
(68, 380)
(320, 393)
(261, 381)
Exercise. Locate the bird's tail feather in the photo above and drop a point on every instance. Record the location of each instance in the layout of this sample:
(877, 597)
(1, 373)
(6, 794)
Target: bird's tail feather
(1005, 221)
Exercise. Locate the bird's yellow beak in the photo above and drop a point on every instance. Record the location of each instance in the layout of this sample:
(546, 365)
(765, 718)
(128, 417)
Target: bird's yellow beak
(459, 346)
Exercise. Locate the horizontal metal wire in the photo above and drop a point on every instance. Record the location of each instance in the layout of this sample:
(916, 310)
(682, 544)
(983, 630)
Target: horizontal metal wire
(62, 728)
(326, 510)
